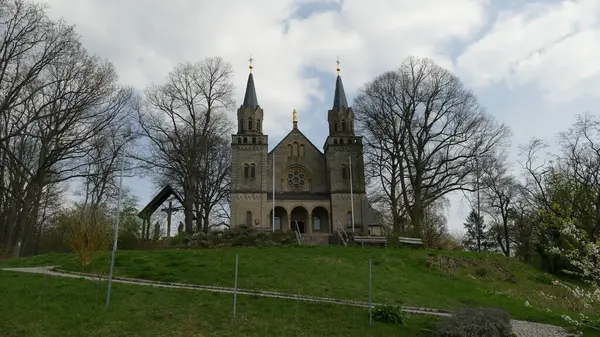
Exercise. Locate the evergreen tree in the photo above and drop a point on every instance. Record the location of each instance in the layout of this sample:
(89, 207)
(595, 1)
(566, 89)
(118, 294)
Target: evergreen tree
(476, 238)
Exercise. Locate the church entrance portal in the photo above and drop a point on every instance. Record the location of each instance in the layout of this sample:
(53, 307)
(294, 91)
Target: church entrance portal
(299, 216)
(300, 226)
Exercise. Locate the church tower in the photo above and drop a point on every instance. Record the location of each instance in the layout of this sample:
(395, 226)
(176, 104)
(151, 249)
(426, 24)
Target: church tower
(345, 164)
(249, 148)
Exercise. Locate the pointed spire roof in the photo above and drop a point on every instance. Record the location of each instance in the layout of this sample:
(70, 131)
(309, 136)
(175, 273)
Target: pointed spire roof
(250, 99)
(339, 97)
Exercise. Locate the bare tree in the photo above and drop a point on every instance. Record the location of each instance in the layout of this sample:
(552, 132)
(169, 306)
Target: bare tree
(425, 130)
(212, 186)
(523, 226)
(435, 229)
(499, 191)
(30, 44)
(57, 98)
(185, 122)
(102, 159)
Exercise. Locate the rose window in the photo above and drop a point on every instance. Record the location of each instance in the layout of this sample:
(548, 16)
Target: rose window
(296, 179)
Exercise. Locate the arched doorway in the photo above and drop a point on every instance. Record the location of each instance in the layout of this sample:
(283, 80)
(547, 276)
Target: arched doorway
(281, 219)
(320, 220)
(299, 219)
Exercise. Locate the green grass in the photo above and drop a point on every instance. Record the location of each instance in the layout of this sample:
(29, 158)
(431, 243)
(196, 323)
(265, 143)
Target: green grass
(36, 306)
(442, 280)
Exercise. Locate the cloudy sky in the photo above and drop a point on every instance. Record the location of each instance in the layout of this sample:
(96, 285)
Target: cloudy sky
(533, 64)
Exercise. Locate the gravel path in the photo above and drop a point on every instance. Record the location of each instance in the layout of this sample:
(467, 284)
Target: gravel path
(521, 328)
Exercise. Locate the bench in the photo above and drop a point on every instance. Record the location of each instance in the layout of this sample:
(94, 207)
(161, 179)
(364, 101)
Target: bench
(410, 241)
(375, 240)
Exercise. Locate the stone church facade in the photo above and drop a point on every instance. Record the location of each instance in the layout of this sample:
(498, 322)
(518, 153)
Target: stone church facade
(312, 187)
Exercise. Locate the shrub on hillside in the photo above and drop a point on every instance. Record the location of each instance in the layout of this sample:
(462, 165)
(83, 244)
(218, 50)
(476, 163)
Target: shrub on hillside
(476, 322)
(389, 314)
(544, 278)
(237, 237)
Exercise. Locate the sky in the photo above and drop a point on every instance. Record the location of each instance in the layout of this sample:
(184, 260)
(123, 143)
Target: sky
(532, 64)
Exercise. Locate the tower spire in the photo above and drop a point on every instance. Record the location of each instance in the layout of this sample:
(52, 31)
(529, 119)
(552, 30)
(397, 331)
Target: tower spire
(339, 97)
(250, 99)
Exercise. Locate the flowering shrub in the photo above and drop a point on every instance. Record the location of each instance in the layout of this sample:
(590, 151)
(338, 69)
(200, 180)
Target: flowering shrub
(583, 253)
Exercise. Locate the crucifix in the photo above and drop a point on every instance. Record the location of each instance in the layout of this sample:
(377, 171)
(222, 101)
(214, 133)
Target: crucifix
(250, 60)
(169, 211)
(338, 65)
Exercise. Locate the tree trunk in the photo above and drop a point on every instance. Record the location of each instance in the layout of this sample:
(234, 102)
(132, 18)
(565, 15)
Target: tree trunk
(417, 213)
(205, 220)
(506, 233)
(188, 209)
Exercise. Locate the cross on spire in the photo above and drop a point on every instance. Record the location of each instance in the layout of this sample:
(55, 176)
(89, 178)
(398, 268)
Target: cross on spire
(250, 60)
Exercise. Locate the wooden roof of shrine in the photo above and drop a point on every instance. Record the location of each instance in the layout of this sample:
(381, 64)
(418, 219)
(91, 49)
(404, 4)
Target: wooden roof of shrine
(158, 200)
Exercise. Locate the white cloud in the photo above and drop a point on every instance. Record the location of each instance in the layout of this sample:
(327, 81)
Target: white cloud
(550, 45)
(146, 38)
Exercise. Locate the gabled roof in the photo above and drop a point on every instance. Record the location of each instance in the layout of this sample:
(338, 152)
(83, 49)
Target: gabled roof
(158, 200)
(290, 135)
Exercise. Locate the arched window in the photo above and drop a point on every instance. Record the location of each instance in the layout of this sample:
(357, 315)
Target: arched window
(239, 140)
(246, 171)
(249, 123)
(241, 125)
(335, 142)
(258, 125)
(253, 140)
(248, 218)
(345, 172)
(245, 140)
(316, 223)
(343, 125)
(252, 171)
(335, 126)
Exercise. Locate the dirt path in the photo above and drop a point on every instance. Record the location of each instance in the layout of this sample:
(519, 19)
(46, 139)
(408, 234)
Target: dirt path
(521, 328)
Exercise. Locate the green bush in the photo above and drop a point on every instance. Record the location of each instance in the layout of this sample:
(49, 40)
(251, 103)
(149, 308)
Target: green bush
(481, 272)
(544, 278)
(236, 237)
(128, 240)
(476, 322)
(390, 314)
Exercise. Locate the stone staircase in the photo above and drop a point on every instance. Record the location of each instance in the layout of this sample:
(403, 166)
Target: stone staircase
(315, 239)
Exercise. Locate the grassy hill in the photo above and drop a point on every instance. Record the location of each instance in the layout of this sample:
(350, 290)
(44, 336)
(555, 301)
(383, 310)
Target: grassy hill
(441, 280)
(32, 306)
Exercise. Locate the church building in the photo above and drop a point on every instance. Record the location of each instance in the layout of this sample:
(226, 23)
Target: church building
(315, 191)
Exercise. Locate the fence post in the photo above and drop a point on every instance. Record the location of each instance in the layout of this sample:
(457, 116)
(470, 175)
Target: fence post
(370, 294)
(235, 285)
